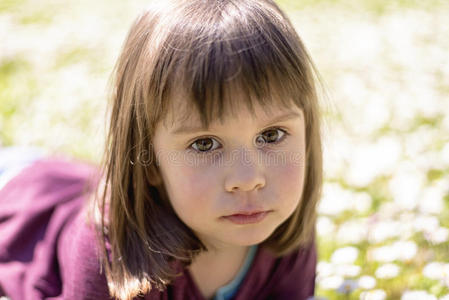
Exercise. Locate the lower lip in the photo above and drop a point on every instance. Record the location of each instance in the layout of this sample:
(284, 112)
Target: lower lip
(247, 219)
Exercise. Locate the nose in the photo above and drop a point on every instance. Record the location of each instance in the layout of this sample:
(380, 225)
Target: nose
(245, 172)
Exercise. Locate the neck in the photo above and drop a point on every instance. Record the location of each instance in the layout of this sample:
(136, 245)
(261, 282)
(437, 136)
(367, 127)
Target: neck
(224, 254)
(228, 262)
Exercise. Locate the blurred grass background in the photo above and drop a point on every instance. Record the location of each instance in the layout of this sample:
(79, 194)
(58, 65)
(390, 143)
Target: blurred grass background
(384, 216)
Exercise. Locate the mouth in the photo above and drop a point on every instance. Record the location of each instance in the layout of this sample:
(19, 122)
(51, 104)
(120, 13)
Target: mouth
(247, 217)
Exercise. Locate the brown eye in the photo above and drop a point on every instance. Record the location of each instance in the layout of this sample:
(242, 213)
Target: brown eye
(204, 144)
(271, 136)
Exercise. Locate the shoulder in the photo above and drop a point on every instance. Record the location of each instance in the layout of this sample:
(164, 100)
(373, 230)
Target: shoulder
(291, 276)
(82, 274)
(55, 180)
(295, 277)
(303, 259)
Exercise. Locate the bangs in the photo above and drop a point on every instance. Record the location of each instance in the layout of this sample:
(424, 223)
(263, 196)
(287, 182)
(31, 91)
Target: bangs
(221, 62)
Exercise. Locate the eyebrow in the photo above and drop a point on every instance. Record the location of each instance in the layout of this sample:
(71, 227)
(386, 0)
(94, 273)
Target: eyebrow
(192, 129)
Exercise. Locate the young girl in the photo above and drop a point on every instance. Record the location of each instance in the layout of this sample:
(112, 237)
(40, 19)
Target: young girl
(211, 177)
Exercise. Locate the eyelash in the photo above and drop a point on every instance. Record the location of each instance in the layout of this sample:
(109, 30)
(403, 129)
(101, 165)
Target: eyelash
(279, 141)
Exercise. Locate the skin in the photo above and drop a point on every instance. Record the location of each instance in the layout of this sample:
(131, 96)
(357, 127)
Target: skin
(235, 174)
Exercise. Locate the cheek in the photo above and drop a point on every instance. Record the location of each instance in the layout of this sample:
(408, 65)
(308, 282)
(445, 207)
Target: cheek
(293, 176)
(290, 182)
(190, 188)
(192, 184)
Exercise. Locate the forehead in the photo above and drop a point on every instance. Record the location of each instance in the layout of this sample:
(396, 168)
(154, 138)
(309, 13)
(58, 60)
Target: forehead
(183, 114)
(235, 101)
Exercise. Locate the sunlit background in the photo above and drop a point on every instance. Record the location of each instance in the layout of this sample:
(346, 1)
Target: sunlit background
(384, 217)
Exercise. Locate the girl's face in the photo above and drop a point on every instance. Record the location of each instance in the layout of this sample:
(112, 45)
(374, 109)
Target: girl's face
(247, 163)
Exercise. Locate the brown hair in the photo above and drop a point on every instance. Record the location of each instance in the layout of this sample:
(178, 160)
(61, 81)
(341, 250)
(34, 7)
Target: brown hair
(207, 50)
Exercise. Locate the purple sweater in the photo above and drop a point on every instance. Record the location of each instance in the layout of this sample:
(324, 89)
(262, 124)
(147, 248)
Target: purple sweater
(47, 251)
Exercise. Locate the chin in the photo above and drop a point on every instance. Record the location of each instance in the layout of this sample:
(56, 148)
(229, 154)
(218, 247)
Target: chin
(252, 238)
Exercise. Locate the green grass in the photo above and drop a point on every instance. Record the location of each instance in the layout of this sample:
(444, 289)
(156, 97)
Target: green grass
(20, 83)
(44, 16)
(10, 5)
(376, 7)
(17, 86)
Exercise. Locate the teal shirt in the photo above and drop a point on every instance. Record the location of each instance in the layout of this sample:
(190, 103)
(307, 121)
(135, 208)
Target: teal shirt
(228, 291)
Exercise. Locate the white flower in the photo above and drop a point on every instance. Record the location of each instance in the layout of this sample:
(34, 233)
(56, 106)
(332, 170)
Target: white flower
(331, 282)
(432, 200)
(347, 270)
(445, 151)
(335, 199)
(434, 270)
(407, 216)
(347, 286)
(336, 146)
(406, 228)
(406, 184)
(372, 160)
(405, 250)
(325, 226)
(400, 250)
(417, 141)
(438, 271)
(345, 255)
(367, 282)
(438, 236)
(417, 295)
(373, 295)
(445, 297)
(324, 269)
(389, 210)
(389, 270)
(362, 202)
(352, 232)
(382, 254)
(383, 230)
(445, 279)
(426, 223)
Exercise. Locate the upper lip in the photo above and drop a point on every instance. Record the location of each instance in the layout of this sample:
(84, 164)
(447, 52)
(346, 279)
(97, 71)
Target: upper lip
(248, 212)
